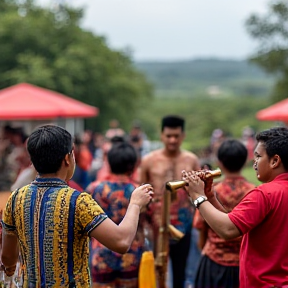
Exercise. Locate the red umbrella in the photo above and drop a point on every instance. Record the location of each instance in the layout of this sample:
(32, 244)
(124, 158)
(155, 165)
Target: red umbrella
(276, 112)
(25, 101)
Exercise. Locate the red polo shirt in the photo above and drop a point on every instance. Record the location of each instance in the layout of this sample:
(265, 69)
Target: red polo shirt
(262, 216)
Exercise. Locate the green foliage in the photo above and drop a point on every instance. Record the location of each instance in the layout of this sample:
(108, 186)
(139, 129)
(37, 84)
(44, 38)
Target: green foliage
(203, 115)
(49, 49)
(196, 77)
(271, 30)
(244, 92)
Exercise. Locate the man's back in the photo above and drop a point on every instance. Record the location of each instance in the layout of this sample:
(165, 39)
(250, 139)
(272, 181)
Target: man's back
(51, 220)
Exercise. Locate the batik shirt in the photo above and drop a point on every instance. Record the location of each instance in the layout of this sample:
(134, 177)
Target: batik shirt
(113, 195)
(229, 192)
(53, 222)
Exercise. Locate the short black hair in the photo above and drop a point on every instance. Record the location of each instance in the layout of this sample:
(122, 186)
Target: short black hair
(232, 153)
(173, 121)
(275, 141)
(47, 147)
(122, 158)
(117, 139)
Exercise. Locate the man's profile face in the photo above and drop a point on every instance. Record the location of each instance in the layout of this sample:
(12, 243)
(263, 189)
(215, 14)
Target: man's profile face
(262, 163)
(172, 138)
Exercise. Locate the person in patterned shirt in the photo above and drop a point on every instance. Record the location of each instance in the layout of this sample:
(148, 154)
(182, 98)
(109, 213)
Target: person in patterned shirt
(219, 264)
(110, 269)
(50, 222)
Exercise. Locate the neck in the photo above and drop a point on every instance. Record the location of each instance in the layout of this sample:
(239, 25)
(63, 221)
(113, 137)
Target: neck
(53, 175)
(232, 174)
(120, 177)
(171, 154)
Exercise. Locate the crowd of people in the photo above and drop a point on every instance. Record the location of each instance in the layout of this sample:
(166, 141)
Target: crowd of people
(57, 214)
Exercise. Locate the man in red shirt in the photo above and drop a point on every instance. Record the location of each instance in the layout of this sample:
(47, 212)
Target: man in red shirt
(261, 217)
(219, 264)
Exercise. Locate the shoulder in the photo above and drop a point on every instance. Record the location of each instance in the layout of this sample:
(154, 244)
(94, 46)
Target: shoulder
(240, 185)
(151, 157)
(92, 186)
(191, 159)
(152, 154)
(85, 200)
(249, 185)
(189, 154)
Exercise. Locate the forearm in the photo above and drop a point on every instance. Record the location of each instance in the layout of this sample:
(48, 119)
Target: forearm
(216, 203)
(115, 237)
(10, 251)
(218, 221)
(128, 226)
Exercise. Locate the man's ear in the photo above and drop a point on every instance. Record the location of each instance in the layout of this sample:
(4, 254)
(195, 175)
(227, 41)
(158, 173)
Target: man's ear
(67, 160)
(275, 161)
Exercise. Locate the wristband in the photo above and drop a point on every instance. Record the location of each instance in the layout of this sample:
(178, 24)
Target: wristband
(199, 201)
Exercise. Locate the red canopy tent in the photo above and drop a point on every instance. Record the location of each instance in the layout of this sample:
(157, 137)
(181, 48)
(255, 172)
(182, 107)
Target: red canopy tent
(276, 112)
(25, 101)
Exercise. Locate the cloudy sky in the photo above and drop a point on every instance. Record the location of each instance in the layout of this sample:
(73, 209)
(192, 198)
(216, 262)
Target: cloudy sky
(172, 29)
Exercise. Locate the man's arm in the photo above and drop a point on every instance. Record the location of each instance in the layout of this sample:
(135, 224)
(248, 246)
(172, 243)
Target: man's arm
(119, 237)
(115, 237)
(217, 220)
(143, 169)
(210, 193)
(215, 202)
(10, 251)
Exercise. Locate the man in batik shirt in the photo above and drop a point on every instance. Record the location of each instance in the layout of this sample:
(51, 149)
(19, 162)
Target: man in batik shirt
(50, 223)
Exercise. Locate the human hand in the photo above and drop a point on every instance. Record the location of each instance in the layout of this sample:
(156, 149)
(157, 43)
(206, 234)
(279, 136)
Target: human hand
(196, 186)
(142, 195)
(9, 272)
(208, 181)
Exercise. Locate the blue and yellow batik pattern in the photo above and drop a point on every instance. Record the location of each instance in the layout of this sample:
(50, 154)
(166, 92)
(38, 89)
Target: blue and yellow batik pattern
(53, 222)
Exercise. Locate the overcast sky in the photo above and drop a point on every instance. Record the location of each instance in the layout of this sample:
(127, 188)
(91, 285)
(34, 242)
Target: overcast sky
(173, 29)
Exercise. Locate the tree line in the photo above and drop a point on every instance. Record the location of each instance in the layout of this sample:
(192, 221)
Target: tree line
(48, 48)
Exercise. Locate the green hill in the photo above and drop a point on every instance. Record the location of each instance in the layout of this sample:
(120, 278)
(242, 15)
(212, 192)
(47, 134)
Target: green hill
(209, 94)
(206, 76)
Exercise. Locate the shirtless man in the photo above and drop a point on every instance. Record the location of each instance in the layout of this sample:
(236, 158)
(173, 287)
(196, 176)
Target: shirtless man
(166, 164)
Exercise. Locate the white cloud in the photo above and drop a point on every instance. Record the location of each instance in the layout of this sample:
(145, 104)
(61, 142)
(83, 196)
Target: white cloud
(173, 29)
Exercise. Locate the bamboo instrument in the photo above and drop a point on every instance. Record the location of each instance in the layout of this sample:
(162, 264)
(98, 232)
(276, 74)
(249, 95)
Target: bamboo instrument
(167, 229)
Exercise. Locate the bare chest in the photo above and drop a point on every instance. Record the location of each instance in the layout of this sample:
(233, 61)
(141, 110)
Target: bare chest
(168, 169)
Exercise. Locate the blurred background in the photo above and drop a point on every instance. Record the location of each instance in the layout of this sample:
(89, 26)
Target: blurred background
(216, 63)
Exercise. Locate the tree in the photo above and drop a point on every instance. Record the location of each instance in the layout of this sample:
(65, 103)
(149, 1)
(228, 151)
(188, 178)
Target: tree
(271, 31)
(48, 48)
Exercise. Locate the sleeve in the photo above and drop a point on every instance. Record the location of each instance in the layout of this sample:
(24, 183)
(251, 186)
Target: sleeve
(7, 219)
(250, 211)
(89, 213)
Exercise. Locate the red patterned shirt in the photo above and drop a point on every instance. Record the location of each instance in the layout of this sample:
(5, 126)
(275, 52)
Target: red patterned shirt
(229, 192)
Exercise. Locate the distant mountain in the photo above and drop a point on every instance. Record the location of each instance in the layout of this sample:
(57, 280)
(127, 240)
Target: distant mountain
(207, 77)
